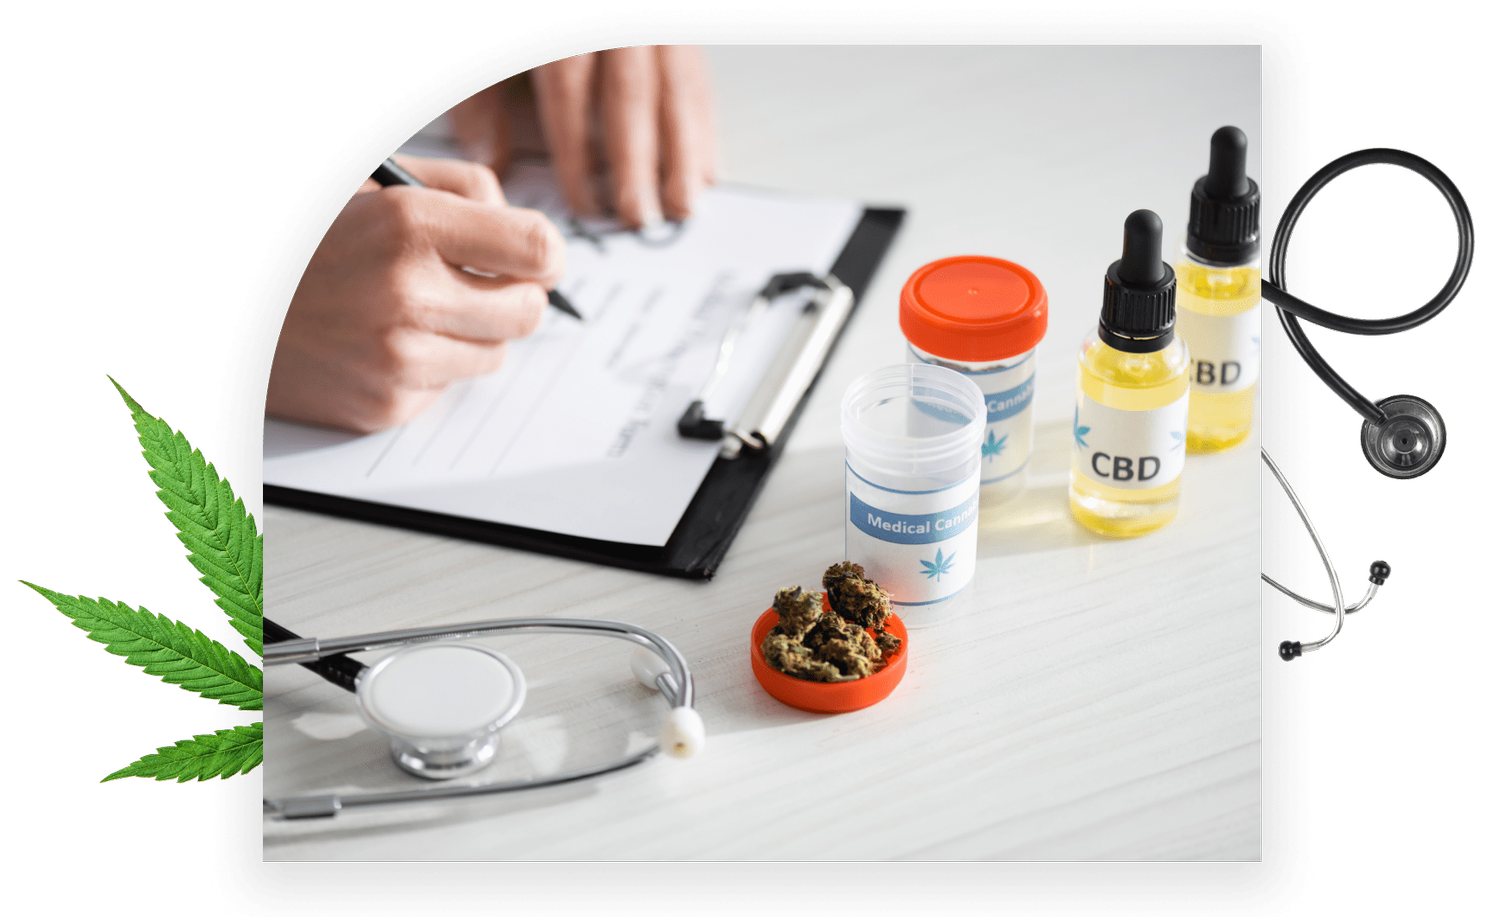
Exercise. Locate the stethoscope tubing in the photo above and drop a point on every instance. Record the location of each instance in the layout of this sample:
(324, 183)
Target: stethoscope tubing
(1319, 606)
(307, 649)
(1337, 609)
(1289, 308)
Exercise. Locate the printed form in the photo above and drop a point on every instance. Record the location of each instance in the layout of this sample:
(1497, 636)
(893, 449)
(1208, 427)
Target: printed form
(577, 433)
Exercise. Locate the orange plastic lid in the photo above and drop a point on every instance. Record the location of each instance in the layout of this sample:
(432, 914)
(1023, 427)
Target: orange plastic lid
(973, 308)
(822, 696)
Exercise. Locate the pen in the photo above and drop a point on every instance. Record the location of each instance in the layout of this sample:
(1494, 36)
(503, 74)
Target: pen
(388, 173)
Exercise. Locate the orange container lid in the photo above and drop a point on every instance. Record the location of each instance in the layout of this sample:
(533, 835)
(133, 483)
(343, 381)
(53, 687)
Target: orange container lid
(973, 308)
(823, 696)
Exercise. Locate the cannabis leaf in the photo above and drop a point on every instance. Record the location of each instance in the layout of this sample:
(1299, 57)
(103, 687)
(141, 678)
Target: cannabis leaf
(1180, 437)
(1078, 432)
(938, 566)
(180, 655)
(223, 545)
(220, 536)
(224, 754)
(992, 447)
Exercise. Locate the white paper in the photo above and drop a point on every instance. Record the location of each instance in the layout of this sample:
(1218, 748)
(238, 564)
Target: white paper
(576, 434)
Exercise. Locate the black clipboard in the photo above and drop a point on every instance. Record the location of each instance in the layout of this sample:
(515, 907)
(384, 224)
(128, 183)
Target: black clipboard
(710, 522)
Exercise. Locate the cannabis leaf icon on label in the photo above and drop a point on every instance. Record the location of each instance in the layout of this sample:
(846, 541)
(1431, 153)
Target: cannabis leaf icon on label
(992, 447)
(224, 546)
(1180, 437)
(938, 566)
(1078, 432)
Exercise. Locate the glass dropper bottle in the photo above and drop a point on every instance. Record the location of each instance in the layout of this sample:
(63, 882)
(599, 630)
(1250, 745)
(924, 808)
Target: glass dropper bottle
(1130, 422)
(1218, 297)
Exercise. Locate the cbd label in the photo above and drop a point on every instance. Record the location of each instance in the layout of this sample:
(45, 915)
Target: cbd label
(1225, 349)
(918, 545)
(1134, 450)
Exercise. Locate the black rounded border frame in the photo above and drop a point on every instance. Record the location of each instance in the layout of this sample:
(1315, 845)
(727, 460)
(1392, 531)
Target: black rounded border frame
(1262, 887)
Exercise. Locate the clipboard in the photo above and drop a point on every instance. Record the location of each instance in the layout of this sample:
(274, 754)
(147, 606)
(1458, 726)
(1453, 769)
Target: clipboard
(717, 510)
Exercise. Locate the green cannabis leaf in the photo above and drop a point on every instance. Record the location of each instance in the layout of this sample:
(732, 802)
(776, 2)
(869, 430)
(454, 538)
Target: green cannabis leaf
(224, 754)
(224, 546)
(220, 536)
(180, 655)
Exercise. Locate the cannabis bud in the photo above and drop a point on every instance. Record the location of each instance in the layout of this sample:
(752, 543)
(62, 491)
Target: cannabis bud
(856, 598)
(819, 646)
(799, 611)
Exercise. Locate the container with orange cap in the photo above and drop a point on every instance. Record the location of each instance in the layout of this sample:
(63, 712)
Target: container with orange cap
(983, 317)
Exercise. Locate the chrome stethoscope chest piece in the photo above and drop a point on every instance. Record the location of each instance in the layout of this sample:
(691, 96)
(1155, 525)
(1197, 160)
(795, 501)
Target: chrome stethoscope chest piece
(441, 706)
(1408, 442)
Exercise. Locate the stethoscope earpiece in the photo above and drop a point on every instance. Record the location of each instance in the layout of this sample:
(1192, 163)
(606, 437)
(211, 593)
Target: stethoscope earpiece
(1408, 442)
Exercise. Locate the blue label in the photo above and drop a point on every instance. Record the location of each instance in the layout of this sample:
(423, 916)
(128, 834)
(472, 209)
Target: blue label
(1011, 402)
(901, 529)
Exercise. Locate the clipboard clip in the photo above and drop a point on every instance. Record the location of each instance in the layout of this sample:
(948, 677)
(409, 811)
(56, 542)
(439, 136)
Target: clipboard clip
(789, 374)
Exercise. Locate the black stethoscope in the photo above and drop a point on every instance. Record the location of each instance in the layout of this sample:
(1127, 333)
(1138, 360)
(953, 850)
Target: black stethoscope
(1402, 436)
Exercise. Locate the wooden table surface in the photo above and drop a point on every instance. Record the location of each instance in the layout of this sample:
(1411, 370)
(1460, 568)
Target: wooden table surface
(1099, 700)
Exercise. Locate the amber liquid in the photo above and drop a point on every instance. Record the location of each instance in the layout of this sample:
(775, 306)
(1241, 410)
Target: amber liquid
(1131, 382)
(1217, 421)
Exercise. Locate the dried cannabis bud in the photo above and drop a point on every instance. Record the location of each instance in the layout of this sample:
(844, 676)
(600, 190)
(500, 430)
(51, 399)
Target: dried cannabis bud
(809, 643)
(784, 654)
(856, 598)
(799, 611)
(852, 661)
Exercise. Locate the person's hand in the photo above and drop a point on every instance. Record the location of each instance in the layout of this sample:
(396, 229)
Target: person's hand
(653, 109)
(385, 318)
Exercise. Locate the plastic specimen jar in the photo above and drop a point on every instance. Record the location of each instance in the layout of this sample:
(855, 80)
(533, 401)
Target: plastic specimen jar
(983, 317)
(911, 470)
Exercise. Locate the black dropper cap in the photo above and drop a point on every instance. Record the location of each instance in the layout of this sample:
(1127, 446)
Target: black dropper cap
(1140, 291)
(1224, 215)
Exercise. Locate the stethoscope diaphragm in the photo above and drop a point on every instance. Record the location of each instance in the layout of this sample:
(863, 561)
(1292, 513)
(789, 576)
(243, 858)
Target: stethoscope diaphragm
(441, 706)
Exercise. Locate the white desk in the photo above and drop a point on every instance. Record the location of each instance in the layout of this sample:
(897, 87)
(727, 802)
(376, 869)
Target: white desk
(1102, 700)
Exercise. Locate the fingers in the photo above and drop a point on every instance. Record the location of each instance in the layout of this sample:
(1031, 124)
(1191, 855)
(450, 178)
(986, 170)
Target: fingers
(481, 125)
(510, 242)
(384, 317)
(466, 179)
(477, 309)
(412, 360)
(629, 104)
(562, 91)
(687, 131)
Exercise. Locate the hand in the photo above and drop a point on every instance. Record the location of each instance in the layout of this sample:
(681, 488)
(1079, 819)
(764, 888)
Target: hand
(652, 104)
(384, 318)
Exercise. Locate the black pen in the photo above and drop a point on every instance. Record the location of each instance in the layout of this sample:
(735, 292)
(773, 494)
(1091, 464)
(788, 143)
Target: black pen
(388, 173)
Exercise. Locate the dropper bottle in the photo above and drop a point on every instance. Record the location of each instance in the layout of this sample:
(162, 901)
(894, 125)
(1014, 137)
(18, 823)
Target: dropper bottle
(1130, 423)
(1218, 282)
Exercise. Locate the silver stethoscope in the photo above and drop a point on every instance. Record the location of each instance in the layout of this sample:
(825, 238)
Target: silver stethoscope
(1402, 436)
(441, 703)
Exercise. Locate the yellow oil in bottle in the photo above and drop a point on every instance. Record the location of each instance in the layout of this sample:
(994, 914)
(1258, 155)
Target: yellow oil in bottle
(1216, 421)
(1130, 382)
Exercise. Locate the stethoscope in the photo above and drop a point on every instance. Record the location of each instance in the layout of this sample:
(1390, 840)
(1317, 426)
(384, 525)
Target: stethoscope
(441, 703)
(1403, 436)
